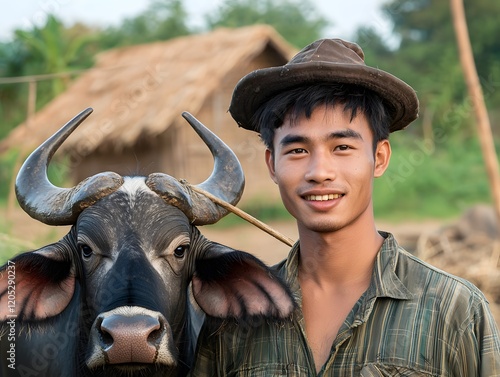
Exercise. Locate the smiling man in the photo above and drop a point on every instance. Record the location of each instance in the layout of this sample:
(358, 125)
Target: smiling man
(366, 307)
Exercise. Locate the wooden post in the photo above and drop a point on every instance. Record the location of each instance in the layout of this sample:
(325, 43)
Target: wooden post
(427, 121)
(476, 95)
(31, 102)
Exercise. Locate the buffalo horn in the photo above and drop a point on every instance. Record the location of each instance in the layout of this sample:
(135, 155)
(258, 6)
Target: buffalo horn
(226, 181)
(54, 205)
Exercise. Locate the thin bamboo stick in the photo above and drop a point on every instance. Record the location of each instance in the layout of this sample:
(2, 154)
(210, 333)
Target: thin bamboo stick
(245, 216)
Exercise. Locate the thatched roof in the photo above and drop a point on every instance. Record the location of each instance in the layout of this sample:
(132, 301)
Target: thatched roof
(139, 91)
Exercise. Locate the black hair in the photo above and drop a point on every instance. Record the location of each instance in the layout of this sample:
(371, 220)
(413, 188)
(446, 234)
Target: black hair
(303, 100)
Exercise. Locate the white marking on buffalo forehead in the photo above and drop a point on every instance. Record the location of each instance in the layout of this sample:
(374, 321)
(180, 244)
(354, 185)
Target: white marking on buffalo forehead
(134, 185)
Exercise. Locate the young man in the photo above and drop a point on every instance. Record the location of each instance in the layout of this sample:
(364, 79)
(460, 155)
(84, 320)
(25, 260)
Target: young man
(365, 307)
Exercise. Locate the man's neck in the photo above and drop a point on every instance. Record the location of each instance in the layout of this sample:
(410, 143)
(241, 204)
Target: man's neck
(334, 270)
(343, 257)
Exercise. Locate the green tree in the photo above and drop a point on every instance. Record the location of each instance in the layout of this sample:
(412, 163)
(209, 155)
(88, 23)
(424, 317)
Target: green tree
(162, 20)
(427, 57)
(447, 169)
(12, 60)
(297, 21)
(52, 50)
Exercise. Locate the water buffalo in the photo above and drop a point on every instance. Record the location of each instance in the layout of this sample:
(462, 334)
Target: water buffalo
(120, 294)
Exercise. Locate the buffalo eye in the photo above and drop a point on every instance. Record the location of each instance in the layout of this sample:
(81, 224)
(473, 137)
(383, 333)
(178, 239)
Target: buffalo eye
(181, 250)
(85, 250)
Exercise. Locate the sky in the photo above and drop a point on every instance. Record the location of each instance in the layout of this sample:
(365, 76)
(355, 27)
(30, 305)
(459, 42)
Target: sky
(346, 16)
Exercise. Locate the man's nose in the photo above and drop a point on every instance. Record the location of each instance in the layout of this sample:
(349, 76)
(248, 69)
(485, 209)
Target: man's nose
(321, 168)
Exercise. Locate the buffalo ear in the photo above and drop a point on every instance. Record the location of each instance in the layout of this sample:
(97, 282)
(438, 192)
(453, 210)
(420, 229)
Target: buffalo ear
(233, 284)
(37, 285)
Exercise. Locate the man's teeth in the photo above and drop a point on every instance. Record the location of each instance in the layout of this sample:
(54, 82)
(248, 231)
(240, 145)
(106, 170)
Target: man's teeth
(323, 197)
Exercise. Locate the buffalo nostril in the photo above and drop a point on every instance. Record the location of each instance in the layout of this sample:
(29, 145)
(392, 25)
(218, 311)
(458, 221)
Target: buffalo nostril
(155, 336)
(107, 338)
(130, 339)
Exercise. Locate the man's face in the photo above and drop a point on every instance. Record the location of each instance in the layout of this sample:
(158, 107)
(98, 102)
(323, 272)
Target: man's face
(324, 167)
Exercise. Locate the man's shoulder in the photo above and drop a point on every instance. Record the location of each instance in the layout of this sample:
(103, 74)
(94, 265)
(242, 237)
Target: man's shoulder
(422, 277)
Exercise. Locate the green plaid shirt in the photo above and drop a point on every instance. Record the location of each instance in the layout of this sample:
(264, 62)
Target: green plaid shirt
(414, 320)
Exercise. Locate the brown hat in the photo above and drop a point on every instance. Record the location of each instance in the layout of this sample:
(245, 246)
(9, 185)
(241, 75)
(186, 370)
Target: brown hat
(323, 61)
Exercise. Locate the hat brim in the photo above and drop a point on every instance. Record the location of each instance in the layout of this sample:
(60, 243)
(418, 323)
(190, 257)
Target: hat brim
(256, 88)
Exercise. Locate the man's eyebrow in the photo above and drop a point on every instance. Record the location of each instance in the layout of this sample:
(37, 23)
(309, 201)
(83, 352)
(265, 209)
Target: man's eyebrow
(291, 139)
(345, 134)
(340, 134)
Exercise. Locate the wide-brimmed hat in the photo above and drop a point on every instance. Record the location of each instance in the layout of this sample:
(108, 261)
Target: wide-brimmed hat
(324, 61)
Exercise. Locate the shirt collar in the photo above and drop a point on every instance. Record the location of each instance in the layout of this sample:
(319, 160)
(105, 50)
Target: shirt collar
(385, 282)
(292, 272)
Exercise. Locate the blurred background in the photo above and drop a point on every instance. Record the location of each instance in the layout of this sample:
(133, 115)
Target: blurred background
(140, 64)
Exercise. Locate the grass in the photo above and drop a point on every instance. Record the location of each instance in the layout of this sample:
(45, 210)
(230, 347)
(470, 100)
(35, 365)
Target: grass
(7, 163)
(431, 182)
(10, 246)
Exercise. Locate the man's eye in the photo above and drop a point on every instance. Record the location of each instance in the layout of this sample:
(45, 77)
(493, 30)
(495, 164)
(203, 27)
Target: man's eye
(342, 147)
(297, 151)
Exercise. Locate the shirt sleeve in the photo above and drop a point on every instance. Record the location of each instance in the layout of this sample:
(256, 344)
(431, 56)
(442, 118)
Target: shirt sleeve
(479, 352)
(488, 336)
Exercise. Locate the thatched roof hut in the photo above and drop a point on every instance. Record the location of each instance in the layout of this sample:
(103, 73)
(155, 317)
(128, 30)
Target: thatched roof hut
(138, 94)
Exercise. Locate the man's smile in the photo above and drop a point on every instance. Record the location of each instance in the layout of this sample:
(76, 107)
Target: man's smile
(323, 197)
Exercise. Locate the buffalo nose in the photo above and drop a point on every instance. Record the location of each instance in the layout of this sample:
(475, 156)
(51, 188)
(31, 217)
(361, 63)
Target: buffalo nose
(131, 339)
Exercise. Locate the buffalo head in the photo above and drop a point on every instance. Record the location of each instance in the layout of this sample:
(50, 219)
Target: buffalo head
(121, 293)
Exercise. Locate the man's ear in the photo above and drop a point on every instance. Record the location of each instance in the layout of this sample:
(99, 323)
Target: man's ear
(270, 164)
(382, 157)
